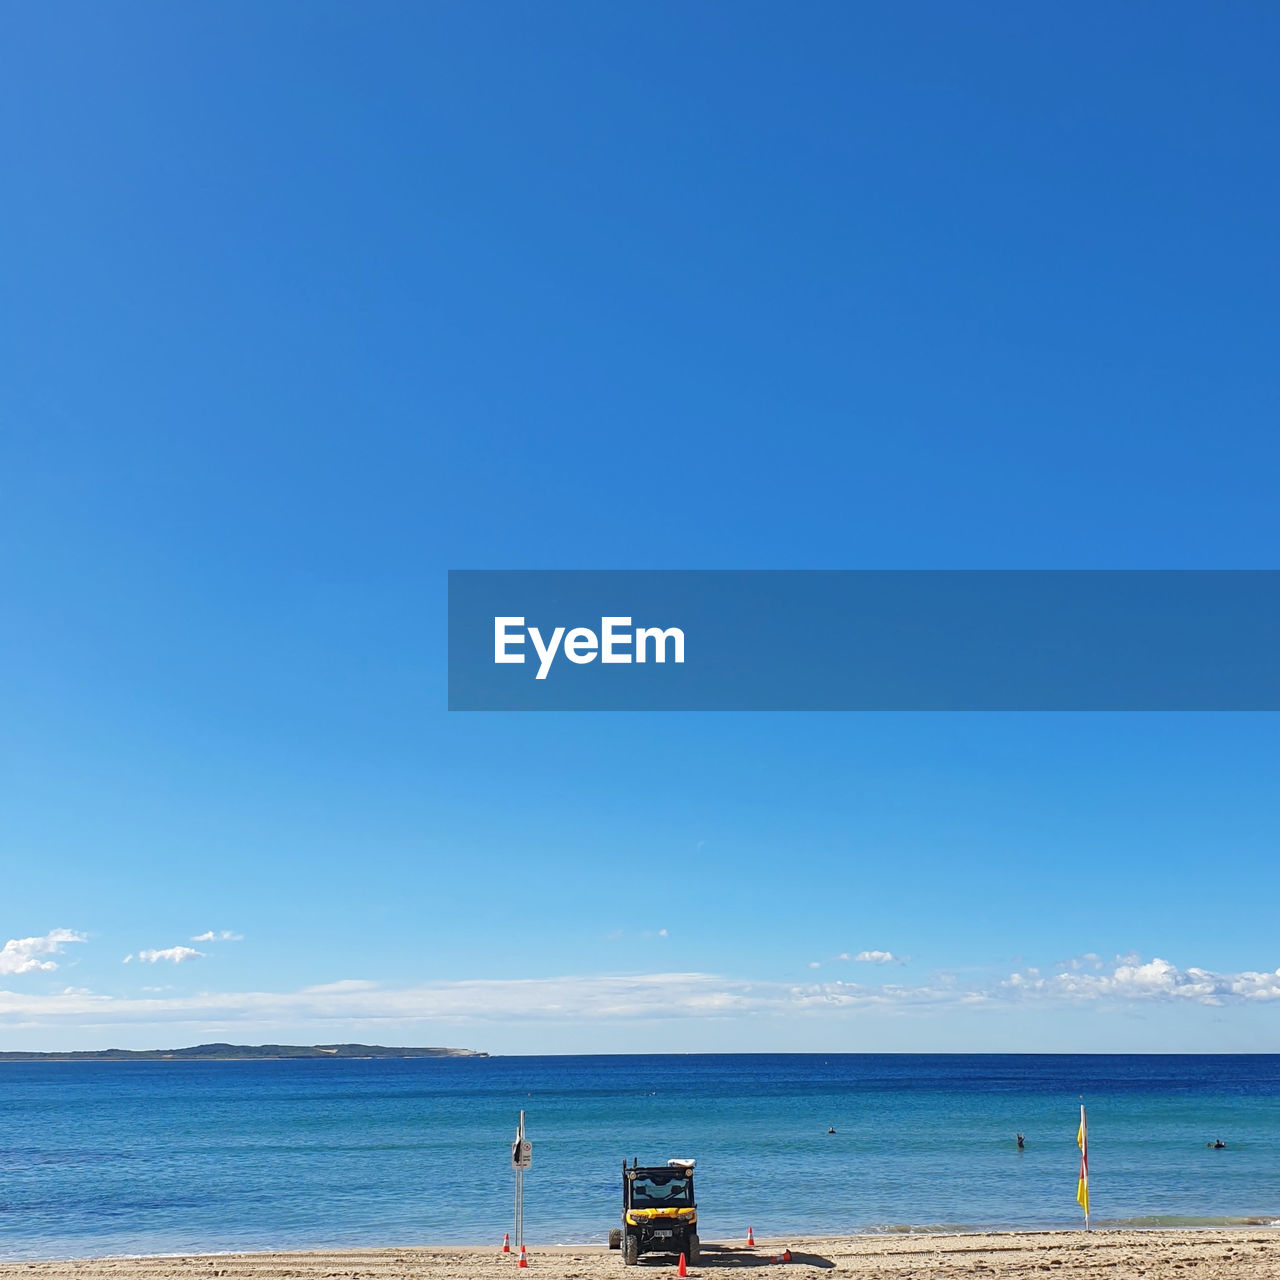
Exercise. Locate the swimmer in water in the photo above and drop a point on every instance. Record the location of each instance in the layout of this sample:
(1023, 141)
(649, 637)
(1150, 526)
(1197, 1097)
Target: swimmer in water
(1022, 1138)
(832, 1130)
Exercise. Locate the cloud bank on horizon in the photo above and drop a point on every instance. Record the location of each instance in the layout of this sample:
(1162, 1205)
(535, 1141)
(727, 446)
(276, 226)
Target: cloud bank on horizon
(1126, 980)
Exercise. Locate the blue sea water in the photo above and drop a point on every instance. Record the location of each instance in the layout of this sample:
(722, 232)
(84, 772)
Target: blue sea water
(175, 1157)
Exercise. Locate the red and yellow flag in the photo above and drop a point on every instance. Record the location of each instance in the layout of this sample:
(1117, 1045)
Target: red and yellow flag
(1082, 1186)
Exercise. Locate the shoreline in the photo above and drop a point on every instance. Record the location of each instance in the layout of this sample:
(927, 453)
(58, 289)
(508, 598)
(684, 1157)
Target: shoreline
(1250, 1251)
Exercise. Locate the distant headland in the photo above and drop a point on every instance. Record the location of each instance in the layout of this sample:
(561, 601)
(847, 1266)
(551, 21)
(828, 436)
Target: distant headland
(240, 1053)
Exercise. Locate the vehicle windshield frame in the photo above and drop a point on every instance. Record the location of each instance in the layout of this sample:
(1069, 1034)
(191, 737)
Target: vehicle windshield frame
(639, 1198)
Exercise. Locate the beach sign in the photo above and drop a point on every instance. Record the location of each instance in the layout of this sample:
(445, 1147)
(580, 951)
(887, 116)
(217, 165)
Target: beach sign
(521, 1159)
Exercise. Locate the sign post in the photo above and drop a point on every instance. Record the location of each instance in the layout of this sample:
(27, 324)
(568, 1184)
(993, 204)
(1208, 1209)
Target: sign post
(521, 1159)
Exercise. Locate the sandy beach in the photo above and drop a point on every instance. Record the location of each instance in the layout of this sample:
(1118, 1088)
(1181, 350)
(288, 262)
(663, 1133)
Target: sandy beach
(1248, 1253)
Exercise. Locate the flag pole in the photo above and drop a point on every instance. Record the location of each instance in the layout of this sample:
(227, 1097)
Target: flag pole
(1082, 1184)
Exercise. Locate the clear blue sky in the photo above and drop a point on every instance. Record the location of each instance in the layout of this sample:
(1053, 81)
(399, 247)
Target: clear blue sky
(308, 303)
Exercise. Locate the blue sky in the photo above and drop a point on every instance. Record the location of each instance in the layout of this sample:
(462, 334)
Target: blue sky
(308, 304)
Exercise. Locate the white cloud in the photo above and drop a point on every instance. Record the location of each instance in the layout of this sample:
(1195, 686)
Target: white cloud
(474, 1001)
(613, 998)
(1131, 979)
(23, 955)
(171, 955)
(866, 957)
(218, 935)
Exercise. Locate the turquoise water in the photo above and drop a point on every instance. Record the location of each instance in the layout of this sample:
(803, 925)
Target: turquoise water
(129, 1158)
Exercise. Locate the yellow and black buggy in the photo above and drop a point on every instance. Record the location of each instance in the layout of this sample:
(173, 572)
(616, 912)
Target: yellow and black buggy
(659, 1214)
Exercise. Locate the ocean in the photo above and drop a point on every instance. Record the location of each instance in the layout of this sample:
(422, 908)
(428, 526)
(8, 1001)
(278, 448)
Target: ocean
(177, 1157)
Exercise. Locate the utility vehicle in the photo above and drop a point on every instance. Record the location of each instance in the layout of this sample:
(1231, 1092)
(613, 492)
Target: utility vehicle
(659, 1214)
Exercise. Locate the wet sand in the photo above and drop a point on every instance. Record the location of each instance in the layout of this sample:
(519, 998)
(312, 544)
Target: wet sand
(1247, 1253)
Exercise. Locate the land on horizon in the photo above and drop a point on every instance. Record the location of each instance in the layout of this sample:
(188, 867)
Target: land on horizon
(239, 1053)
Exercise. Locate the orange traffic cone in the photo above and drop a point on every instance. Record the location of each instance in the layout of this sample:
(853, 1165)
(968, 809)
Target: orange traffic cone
(786, 1255)
(524, 1261)
(682, 1270)
(506, 1242)
(751, 1239)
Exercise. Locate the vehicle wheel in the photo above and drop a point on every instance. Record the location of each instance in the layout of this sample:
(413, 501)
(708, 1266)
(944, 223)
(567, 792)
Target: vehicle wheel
(630, 1250)
(615, 1239)
(693, 1250)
